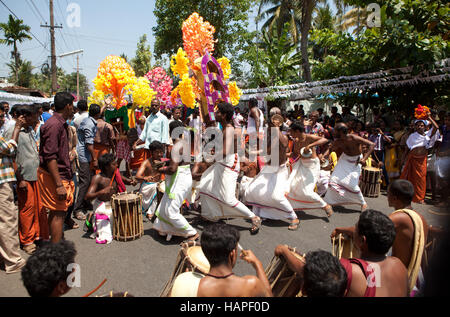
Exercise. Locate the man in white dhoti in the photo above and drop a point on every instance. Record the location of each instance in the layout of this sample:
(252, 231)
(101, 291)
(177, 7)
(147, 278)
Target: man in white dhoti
(150, 177)
(217, 186)
(343, 187)
(170, 222)
(266, 192)
(305, 171)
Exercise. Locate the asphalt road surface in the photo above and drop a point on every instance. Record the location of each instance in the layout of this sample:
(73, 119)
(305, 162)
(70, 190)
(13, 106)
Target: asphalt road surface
(143, 267)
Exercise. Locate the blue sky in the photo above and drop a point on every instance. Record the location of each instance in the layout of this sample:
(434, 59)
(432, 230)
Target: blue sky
(108, 27)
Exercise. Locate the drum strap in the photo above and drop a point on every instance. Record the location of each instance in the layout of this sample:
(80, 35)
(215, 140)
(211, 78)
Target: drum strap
(221, 277)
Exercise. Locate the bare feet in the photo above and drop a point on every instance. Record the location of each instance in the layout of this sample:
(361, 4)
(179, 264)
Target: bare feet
(329, 210)
(194, 237)
(294, 225)
(256, 225)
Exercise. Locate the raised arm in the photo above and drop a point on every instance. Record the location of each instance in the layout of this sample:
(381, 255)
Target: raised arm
(363, 141)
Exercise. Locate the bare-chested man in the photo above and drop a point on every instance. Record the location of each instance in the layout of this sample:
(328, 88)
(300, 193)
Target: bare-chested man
(266, 192)
(305, 171)
(344, 188)
(220, 245)
(411, 230)
(101, 189)
(170, 222)
(375, 274)
(217, 186)
(150, 177)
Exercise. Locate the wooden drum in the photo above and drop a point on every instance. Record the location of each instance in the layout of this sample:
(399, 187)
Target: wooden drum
(370, 183)
(127, 213)
(283, 281)
(190, 259)
(343, 247)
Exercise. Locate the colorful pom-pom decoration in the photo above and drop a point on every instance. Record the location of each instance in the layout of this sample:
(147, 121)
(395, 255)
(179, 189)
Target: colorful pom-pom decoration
(421, 112)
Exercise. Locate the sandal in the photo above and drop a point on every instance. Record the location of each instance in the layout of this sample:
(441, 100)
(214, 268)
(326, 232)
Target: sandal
(256, 226)
(293, 226)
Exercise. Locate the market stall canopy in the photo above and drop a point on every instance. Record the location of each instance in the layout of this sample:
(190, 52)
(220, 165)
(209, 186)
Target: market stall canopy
(13, 99)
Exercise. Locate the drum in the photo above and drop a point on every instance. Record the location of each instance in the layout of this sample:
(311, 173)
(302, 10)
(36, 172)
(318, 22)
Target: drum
(343, 247)
(127, 214)
(137, 157)
(370, 182)
(283, 281)
(190, 259)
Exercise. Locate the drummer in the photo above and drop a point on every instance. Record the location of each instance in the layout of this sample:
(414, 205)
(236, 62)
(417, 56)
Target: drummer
(321, 272)
(220, 245)
(375, 274)
(109, 181)
(149, 175)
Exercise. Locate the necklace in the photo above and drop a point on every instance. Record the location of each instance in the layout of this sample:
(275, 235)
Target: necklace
(221, 277)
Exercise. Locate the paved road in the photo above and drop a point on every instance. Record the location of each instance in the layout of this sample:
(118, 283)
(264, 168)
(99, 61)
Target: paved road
(144, 266)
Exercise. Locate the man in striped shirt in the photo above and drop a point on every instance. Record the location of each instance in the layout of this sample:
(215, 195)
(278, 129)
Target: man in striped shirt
(9, 237)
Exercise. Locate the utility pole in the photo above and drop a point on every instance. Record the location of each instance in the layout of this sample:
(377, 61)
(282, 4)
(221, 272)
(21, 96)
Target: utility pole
(78, 68)
(53, 49)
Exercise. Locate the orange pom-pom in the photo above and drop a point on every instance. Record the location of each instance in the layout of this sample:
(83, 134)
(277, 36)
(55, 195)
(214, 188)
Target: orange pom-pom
(197, 36)
(421, 112)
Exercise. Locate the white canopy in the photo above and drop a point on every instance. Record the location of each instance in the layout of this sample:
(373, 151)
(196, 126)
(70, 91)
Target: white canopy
(13, 99)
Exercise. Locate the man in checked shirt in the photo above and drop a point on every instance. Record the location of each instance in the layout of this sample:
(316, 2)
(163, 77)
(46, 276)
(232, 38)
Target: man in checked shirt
(9, 216)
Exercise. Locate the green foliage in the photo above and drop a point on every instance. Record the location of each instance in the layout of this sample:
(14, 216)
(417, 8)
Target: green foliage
(23, 72)
(412, 33)
(277, 61)
(141, 63)
(14, 31)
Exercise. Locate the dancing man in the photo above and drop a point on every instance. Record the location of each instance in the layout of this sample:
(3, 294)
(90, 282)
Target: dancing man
(218, 183)
(305, 171)
(169, 219)
(344, 183)
(266, 192)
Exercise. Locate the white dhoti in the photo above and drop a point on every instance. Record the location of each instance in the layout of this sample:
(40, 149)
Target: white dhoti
(266, 193)
(324, 180)
(218, 191)
(242, 186)
(302, 183)
(344, 188)
(149, 192)
(169, 220)
(103, 214)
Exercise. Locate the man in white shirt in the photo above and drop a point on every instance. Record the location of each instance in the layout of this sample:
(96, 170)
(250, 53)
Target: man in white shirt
(83, 113)
(156, 128)
(238, 118)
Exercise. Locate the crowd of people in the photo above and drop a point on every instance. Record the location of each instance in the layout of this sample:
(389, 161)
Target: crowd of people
(59, 163)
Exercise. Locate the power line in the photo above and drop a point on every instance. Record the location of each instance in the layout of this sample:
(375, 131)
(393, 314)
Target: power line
(34, 12)
(19, 19)
(39, 12)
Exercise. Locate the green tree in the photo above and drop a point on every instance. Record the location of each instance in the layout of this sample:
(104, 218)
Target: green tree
(69, 84)
(15, 31)
(124, 57)
(278, 60)
(412, 33)
(279, 13)
(22, 73)
(141, 63)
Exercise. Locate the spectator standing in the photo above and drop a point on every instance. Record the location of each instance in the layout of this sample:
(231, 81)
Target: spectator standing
(9, 241)
(56, 186)
(85, 150)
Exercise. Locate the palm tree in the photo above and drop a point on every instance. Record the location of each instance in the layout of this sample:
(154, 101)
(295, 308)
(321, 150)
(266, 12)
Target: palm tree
(15, 31)
(356, 17)
(280, 12)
